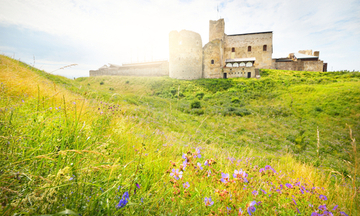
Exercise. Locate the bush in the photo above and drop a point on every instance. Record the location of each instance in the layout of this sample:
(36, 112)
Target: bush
(127, 82)
(102, 83)
(111, 89)
(200, 95)
(173, 90)
(235, 100)
(195, 104)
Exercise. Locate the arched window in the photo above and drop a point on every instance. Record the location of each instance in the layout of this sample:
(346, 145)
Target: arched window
(265, 48)
(228, 65)
(249, 64)
(249, 48)
(233, 49)
(212, 61)
(242, 64)
(236, 65)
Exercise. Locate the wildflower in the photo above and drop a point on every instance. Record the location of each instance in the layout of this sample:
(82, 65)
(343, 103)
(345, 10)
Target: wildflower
(327, 213)
(185, 157)
(335, 207)
(323, 197)
(294, 201)
(251, 207)
(268, 167)
(289, 185)
(264, 191)
(315, 214)
(343, 213)
(208, 201)
(240, 211)
(176, 174)
(224, 177)
(228, 210)
(208, 173)
(239, 174)
(298, 210)
(197, 153)
(186, 185)
(255, 192)
(262, 170)
(124, 200)
(322, 207)
(206, 163)
(199, 166)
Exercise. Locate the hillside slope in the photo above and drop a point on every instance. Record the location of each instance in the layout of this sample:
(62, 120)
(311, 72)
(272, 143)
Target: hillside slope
(135, 146)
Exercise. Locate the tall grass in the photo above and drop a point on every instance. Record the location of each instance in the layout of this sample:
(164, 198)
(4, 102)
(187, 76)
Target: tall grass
(82, 151)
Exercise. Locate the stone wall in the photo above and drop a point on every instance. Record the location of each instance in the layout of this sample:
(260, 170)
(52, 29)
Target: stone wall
(138, 69)
(185, 55)
(239, 72)
(257, 41)
(216, 29)
(212, 62)
(299, 65)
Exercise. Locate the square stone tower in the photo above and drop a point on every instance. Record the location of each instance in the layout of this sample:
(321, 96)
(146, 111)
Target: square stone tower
(216, 29)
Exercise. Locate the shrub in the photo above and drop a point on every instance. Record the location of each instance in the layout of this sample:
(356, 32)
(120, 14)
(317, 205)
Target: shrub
(235, 100)
(173, 90)
(102, 83)
(195, 104)
(127, 82)
(200, 95)
(111, 89)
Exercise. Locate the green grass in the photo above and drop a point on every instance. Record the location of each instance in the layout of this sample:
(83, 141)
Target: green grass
(76, 146)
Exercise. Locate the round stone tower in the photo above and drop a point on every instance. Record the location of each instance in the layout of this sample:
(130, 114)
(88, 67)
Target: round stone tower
(185, 55)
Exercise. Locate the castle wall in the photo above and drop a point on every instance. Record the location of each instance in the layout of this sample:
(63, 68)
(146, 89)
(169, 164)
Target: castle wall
(212, 62)
(216, 29)
(161, 69)
(185, 55)
(299, 65)
(256, 41)
(239, 72)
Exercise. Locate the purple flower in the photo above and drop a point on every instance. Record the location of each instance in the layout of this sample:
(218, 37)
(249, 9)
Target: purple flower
(208, 201)
(327, 213)
(184, 164)
(124, 200)
(240, 211)
(184, 157)
(137, 185)
(251, 207)
(298, 210)
(228, 209)
(239, 174)
(199, 166)
(197, 153)
(268, 167)
(322, 207)
(207, 163)
(224, 177)
(262, 170)
(255, 192)
(343, 213)
(186, 185)
(335, 207)
(264, 191)
(176, 174)
(208, 173)
(289, 185)
(294, 201)
(323, 197)
(315, 214)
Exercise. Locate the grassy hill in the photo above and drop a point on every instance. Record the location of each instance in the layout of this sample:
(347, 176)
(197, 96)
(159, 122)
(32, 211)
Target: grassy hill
(80, 146)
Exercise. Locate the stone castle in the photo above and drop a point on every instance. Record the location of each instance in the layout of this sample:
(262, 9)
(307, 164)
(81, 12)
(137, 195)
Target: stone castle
(224, 56)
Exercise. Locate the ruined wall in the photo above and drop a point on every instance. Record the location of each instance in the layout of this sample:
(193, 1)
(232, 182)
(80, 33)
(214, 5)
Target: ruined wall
(161, 69)
(256, 41)
(212, 59)
(306, 52)
(299, 65)
(185, 55)
(313, 65)
(216, 29)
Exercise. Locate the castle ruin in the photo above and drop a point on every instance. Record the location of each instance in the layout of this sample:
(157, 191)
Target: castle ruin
(224, 56)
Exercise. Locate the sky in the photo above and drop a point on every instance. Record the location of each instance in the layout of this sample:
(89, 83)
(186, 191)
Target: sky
(91, 33)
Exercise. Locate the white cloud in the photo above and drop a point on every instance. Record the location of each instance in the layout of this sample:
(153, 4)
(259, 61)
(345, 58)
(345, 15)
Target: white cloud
(121, 31)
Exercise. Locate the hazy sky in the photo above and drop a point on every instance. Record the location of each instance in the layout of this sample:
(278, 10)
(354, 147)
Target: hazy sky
(53, 33)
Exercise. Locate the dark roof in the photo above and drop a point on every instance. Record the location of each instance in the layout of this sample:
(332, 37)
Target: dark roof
(251, 33)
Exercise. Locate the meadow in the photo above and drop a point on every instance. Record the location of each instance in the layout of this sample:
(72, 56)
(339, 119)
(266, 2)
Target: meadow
(281, 145)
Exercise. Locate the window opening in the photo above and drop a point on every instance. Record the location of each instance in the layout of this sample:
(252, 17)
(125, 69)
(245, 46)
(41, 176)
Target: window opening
(212, 61)
(249, 48)
(233, 49)
(265, 48)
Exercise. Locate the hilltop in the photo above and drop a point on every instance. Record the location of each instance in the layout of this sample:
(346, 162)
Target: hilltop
(79, 146)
